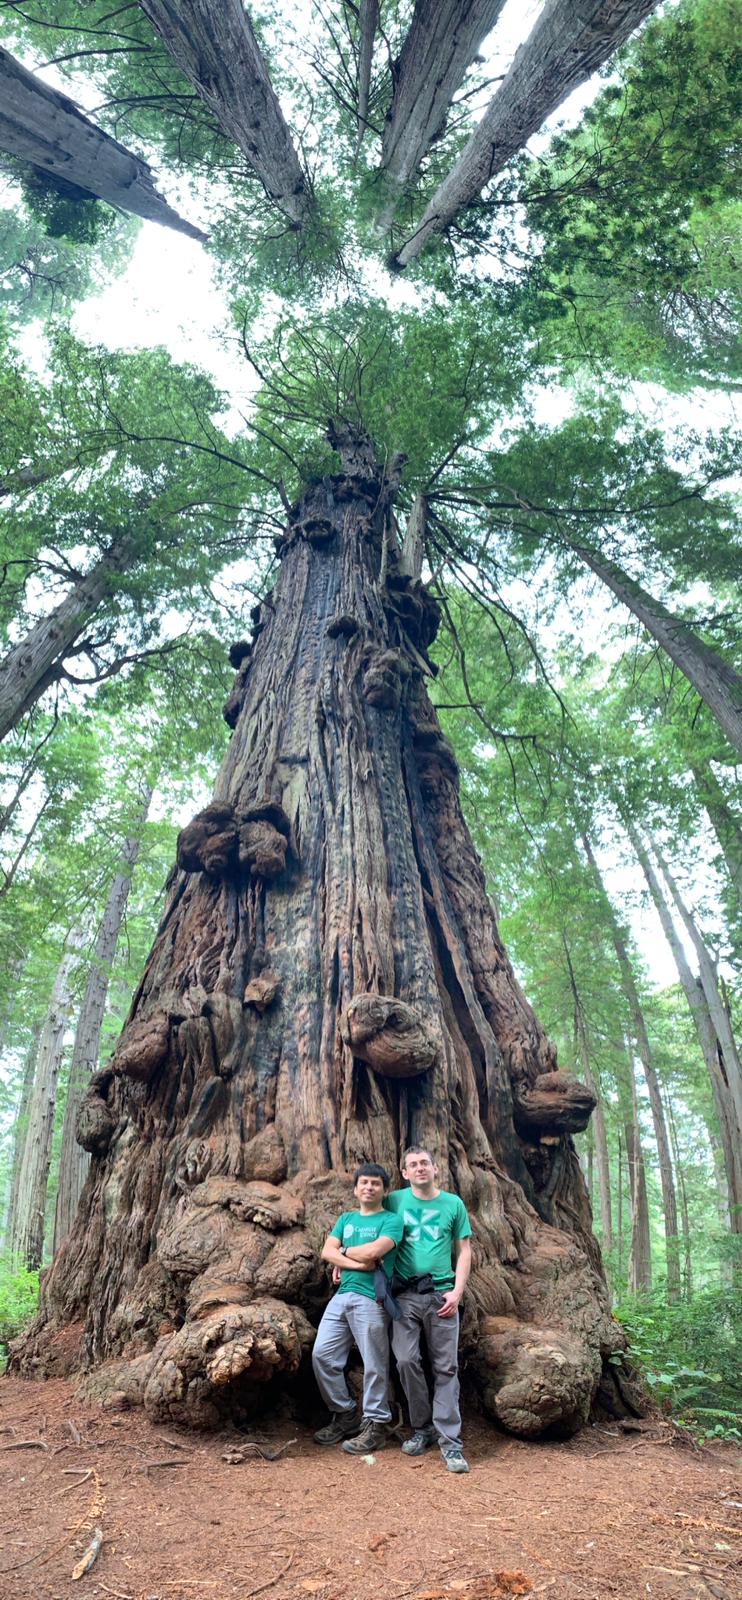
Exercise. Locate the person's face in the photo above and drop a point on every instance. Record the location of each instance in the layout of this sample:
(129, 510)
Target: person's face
(368, 1190)
(420, 1168)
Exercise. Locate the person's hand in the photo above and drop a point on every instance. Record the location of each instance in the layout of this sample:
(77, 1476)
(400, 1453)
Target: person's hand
(449, 1304)
(336, 1274)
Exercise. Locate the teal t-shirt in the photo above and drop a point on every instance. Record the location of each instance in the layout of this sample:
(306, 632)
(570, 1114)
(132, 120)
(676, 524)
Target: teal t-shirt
(430, 1227)
(353, 1228)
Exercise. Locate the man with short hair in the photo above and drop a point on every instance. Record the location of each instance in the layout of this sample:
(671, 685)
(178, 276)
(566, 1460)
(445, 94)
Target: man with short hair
(431, 1271)
(360, 1242)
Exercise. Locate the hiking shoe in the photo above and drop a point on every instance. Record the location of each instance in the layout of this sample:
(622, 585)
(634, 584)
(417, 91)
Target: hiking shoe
(420, 1441)
(373, 1436)
(455, 1460)
(342, 1425)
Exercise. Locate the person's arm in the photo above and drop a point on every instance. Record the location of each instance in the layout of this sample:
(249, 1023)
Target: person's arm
(373, 1252)
(452, 1298)
(332, 1252)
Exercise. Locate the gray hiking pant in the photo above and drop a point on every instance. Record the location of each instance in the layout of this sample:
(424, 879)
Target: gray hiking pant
(353, 1319)
(442, 1339)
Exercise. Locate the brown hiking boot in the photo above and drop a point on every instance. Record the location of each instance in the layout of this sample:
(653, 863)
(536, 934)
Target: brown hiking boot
(342, 1426)
(373, 1436)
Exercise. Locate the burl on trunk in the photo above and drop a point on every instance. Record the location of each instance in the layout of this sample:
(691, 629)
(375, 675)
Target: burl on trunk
(327, 985)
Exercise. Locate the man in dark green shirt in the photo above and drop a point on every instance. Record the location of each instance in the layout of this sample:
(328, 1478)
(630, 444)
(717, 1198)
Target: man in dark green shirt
(434, 1262)
(360, 1242)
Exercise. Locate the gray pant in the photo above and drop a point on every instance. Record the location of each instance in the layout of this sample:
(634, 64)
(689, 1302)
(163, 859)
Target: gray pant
(442, 1339)
(350, 1319)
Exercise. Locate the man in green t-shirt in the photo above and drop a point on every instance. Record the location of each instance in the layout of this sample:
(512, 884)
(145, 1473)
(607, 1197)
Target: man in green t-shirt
(360, 1242)
(434, 1262)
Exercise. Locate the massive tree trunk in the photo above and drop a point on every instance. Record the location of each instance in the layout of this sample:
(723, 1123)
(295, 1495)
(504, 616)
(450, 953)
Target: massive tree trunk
(74, 1160)
(712, 677)
(641, 1039)
(41, 126)
(327, 985)
(37, 660)
(569, 41)
(216, 49)
(443, 39)
(729, 1129)
(27, 1223)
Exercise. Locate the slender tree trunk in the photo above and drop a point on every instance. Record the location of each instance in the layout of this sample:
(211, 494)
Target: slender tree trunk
(74, 1161)
(732, 1067)
(725, 824)
(641, 1036)
(328, 984)
(443, 39)
(640, 1250)
(687, 1253)
(216, 49)
(598, 1118)
(619, 1229)
(27, 1234)
(38, 659)
(41, 126)
(712, 677)
(368, 23)
(711, 1049)
(19, 1132)
(569, 41)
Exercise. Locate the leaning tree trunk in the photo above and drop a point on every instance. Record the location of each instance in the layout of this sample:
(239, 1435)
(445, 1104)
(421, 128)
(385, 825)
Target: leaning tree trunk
(73, 1160)
(27, 1225)
(38, 659)
(711, 1050)
(641, 1039)
(327, 986)
(443, 40)
(569, 41)
(40, 126)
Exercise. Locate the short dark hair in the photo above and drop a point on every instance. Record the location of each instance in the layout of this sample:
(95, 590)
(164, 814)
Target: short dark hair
(417, 1150)
(371, 1169)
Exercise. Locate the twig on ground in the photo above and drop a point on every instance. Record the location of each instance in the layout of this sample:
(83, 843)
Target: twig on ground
(237, 1456)
(94, 1510)
(26, 1444)
(169, 1461)
(117, 1592)
(74, 1430)
(270, 1582)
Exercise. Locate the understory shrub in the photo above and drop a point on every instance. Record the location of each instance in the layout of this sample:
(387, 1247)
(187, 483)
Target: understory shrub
(690, 1353)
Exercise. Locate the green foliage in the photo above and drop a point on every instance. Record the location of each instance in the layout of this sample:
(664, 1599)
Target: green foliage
(691, 1356)
(77, 216)
(19, 1294)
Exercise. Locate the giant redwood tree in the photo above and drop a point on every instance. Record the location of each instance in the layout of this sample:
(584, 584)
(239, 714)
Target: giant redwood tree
(327, 984)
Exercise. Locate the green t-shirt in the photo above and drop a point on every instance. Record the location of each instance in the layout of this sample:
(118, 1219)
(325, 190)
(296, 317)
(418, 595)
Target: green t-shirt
(353, 1228)
(430, 1227)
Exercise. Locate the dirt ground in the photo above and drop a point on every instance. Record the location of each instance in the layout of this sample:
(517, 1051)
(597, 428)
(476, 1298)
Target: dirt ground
(605, 1514)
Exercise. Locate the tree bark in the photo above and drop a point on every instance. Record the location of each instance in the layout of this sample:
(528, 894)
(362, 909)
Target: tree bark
(443, 39)
(216, 49)
(41, 126)
(711, 1049)
(725, 824)
(569, 41)
(368, 23)
(729, 1055)
(640, 1249)
(27, 1232)
(714, 680)
(598, 1119)
(684, 1213)
(19, 1133)
(37, 660)
(641, 1037)
(73, 1160)
(328, 985)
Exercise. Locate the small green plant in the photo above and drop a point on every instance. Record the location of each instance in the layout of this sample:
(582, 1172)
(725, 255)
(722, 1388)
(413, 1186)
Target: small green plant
(19, 1294)
(690, 1354)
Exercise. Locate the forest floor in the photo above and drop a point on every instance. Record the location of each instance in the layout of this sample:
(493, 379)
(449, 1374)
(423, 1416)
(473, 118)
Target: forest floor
(606, 1514)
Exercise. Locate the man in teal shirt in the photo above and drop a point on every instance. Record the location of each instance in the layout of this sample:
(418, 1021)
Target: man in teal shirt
(360, 1242)
(431, 1271)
